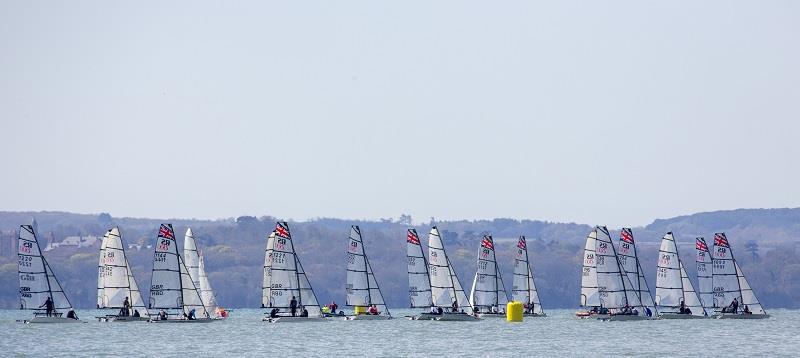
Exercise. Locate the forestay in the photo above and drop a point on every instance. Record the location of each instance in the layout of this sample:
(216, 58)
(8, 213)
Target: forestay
(37, 281)
(445, 286)
(284, 276)
(524, 289)
(629, 260)
(487, 286)
(705, 272)
(362, 288)
(419, 282)
(614, 286)
(117, 279)
(672, 284)
(590, 294)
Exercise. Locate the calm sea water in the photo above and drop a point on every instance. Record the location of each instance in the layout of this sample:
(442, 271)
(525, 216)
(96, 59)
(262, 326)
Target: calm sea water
(243, 334)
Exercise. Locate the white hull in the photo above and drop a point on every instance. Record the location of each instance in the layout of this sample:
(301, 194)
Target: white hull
(624, 317)
(456, 317)
(534, 315)
(366, 317)
(424, 317)
(122, 319)
(680, 316)
(587, 315)
(741, 316)
(199, 320)
(52, 320)
(290, 319)
(492, 315)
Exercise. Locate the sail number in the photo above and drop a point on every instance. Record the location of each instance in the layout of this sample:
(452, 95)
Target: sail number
(482, 265)
(24, 261)
(353, 246)
(351, 258)
(26, 247)
(665, 259)
(589, 259)
(280, 243)
(160, 257)
(277, 257)
(164, 245)
(625, 248)
(602, 248)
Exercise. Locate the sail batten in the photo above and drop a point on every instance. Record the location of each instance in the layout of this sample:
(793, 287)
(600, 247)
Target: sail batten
(616, 290)
(171, 287)
(419, 281)
(362, 288)
(673, 286)
(487, 287)
(705, 273)
(728, 279)
(116, 278)
(590, 292)
(629, 260)
(37, 281)
(284, 277)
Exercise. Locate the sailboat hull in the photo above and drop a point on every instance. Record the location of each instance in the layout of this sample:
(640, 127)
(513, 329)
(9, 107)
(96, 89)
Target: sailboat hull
(366, 317)
(741, 316)
(122, 319)
(534, 315)
(52, 320)
(492, 315)
(290, 319)
(199, 320)
(671, 315)
(456, 317)
(624, 318)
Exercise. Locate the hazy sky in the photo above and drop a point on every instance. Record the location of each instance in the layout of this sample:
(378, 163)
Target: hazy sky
(600, 112)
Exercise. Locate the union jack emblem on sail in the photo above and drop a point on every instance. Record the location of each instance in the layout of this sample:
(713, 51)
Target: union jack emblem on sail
(626, 235)
(721, 240)
(282, 230)
(412, 237)
(487, 243)
(700, 244)
(521, 244)
(165, 231)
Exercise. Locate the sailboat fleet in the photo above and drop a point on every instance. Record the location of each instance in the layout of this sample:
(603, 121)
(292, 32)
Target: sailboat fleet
(613, 284)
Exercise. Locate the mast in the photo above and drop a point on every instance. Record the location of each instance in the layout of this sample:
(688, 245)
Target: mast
(445, 287)
(629, 260)
(419, 281)
(484, 293)
(362, 287)
(284, 276)
(672, 284)
(524, 289)
(613, 283)
(725, 276)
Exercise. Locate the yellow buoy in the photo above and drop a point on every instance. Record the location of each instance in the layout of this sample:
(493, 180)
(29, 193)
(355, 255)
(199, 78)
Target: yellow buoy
(514, 311)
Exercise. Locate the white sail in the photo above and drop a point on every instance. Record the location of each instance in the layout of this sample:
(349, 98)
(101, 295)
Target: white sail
(284, 277)
(590, 294)
(419, 282)
(445, 286)
(101, 272)
(749, 298)
(487, 284)
(171, 286)
(616, 290)
(191, 257)
(206, 292)
(725, 277)
(37, 281)
(524, 289)
(705, 272)
(362, 288)
(672, 284)
(118, 283)
(632, 267)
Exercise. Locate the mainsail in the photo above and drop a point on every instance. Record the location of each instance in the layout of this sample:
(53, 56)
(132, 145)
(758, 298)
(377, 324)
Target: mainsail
(284, 277)
(419, 282)
(101, 270)
(616, 290)
(672, 283)
(590, 294)
(191, 257)
(729, 281)
(37, 281)
(171, 286)
(524, 289)
(117, 281)
(362, 288)
(705, 272)
(631, 265)
(445, 287)
(487, 286)
(206, 292)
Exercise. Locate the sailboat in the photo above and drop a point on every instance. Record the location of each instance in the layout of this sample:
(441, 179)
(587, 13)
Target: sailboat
(705, 272)
(286, 282)
(524, 289)
(116, 283)
(38, 284)
(419, 281)
(446, 290)
(730, 284)
(590, 292)
(617, 294)
(171, 288)
(631, 265)
(488, 295)
(195, 265)
(362, 288)
(674, 290)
